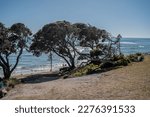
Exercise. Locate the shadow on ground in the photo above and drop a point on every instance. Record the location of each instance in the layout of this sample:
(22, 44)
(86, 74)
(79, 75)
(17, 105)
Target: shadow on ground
(39, 78)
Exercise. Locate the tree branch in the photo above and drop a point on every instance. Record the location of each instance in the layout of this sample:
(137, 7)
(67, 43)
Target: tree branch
(7, 58)
(17, 60)
(1, 64)
(62, 57)
(3, 60)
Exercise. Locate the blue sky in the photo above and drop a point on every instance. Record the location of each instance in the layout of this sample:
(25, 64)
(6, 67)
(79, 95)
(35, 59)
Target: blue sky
(131, 18)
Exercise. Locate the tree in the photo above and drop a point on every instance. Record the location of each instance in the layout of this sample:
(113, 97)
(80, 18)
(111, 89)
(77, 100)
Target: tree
(95, 39)
(60, 38)
(12, 41)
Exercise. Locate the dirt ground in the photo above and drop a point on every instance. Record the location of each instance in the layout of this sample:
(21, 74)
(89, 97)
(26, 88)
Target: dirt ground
(130, 82)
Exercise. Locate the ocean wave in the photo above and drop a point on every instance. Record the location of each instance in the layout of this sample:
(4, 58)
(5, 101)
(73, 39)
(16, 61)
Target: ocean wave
(36, 68)
(141, 46)
(128, 43)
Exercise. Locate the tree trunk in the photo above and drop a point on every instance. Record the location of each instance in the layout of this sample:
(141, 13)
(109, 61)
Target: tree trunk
(6, 72)
(4, 63)
(7, 75)
(72, 63)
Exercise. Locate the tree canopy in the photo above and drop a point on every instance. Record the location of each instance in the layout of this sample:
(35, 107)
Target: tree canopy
(90, 36)
(58, 37)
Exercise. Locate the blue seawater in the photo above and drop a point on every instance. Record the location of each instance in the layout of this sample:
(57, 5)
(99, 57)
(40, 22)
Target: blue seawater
(134, 45)
(31, 64)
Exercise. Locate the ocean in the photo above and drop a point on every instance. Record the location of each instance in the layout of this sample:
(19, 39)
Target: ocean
(31, 64)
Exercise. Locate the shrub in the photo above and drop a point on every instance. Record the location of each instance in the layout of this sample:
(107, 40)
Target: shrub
(138, 57)
(117, 57)
(116, 60)
(122, 62)
(88, 69)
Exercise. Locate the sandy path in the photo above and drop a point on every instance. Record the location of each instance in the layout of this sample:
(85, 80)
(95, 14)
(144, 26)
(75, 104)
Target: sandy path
(131, 82)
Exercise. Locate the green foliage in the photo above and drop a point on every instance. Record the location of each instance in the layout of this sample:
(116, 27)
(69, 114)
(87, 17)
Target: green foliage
(88, 69)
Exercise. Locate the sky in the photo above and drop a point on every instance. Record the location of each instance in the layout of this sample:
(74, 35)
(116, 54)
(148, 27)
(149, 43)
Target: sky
(130, 18)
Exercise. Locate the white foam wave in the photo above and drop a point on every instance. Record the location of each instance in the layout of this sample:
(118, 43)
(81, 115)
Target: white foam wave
(128, 43)
(36, 69)
(141, 46)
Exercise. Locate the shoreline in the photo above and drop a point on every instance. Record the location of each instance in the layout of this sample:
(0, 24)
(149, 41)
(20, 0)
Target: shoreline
(46, 69)
(129, 82)
(34, 72)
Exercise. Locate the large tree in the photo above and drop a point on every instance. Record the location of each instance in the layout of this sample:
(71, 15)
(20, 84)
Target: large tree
(12, 42)
(59, 37)
(98, 40)
(62, 38)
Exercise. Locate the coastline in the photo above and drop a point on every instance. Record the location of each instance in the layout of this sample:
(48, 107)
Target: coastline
(129, 82)
(32, 64)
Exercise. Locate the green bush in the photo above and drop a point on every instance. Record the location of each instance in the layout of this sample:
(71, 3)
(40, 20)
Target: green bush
(116, 60)
(88, 69)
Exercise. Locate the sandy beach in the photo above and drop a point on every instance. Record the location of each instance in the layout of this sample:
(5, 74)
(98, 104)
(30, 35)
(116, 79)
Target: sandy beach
(130, 82)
